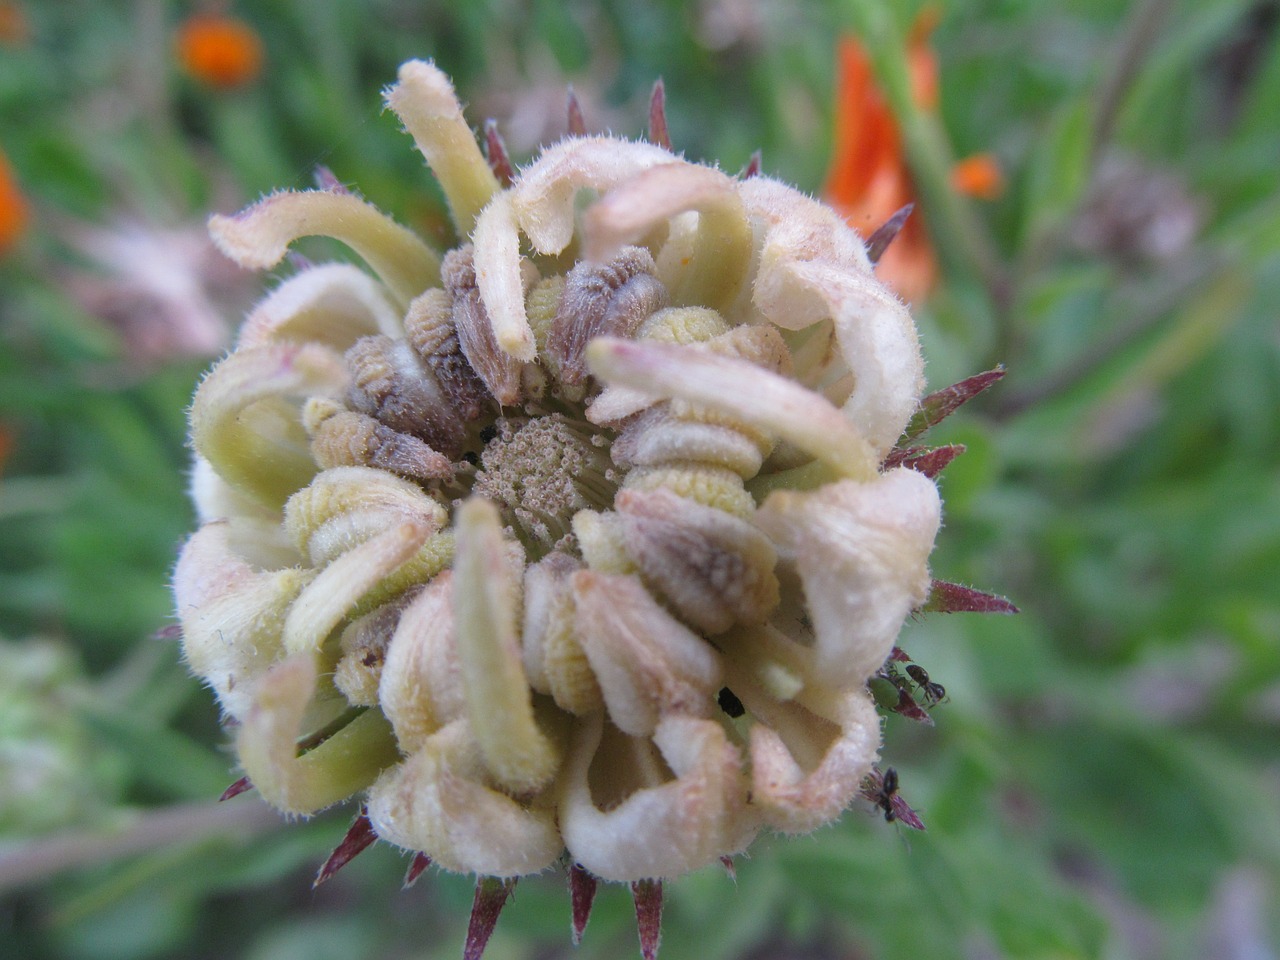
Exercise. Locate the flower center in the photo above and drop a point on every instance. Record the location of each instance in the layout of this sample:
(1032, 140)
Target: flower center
(541, 470)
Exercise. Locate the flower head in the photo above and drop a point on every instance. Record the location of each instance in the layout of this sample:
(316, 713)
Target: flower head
(219, 50)
(579, 543)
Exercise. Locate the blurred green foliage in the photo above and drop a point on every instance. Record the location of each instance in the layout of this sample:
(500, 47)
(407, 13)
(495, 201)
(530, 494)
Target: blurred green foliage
(1103, 781)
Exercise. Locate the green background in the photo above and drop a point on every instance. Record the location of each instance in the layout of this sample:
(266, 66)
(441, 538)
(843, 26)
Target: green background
(1104, 780)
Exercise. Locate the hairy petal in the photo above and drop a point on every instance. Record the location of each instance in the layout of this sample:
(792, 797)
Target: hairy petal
(425, 102)
(259, 236)
(346, 762)
(861, 550)
(439, 802)
(334, 304)
(666, 829)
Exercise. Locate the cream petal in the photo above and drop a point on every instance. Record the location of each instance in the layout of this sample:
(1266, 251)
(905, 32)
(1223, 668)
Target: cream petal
(737, 388)
(486, 596)
(421, 686)
(721, 250)
(808, 757)
(246, 420)
(500, 280)
(232, 614)
(878, 340)
(333, 303)
(259, 236)
(861, 550)
(345, 763)
(544, 194)
(438, 802)
(345, 506)
(341, 585)
(647, 663)
(666, 829)
(426, 104)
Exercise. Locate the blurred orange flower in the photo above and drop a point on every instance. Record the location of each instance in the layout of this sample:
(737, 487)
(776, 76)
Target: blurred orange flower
(15, 31)
(869, 181)
(220, 51)
(14, 212)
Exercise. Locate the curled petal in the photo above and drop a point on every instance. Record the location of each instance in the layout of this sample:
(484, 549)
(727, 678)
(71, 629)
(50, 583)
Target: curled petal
(246, 421)
(255, 528)
(711, 271)
(267, 742)
(346, 581)
(427, 105)
(878, 340)
(439, 802)
(259, 236)
(541, 204)
(334, 304)
(485, 601)
(861, 550)
(714, 568)
(647, 663)
(737, 388)
(421, 687)
(798, 229)
(345, 506)
(544, 194)
(808, 757)
(657, 437)
(553, 654)
(232, 614)
(662, 829)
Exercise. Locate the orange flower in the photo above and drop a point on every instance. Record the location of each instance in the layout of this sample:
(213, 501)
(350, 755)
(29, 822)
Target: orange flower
(869, 180)
(15, 31)
(220, 51)
(14, 212)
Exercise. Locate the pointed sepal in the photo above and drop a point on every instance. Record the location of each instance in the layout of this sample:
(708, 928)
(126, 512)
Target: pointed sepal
(243, 785)
(648, 898)
(942, 403)
(658, 132)
(930, 461)
(358, 838)
(729, 868)
(754, 167)
(577, 124)
(491, 897)
(879, 241)
(947, 597)
(582, 894)
(496, 149)
(420, 863)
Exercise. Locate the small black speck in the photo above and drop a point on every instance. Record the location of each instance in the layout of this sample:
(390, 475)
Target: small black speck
(488, 433)
(730, 703)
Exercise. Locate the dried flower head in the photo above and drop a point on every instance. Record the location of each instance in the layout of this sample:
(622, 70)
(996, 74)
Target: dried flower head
(578, 544)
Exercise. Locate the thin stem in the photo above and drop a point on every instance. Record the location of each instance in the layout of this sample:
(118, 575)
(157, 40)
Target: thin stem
(26, 863)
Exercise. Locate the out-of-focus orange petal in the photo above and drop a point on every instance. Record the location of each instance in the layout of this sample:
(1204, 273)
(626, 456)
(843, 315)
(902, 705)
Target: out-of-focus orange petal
(15, 31)
(218, 50)
(978, 176)
(868, 180)
(922, 64)
(15, 214)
